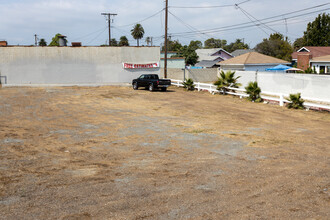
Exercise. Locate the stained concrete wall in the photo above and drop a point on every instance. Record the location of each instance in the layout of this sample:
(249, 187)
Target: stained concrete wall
(311, 86)
(74, 66)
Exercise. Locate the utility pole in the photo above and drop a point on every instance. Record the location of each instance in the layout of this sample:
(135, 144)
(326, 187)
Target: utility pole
(165, 44)
(36, 40)
(109, 24)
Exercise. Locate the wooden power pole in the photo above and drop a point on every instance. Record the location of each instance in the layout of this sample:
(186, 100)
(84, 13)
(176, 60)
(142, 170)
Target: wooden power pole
(165, 44)
(109, 24)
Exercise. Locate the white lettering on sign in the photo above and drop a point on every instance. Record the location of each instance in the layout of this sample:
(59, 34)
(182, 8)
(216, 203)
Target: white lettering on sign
(140, 66)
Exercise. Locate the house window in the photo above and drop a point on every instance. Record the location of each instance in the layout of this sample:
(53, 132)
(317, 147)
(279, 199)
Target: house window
(322, 69)
(328, 69)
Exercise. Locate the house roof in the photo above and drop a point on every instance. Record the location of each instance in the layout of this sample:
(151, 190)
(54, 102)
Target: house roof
(206, 63)
(314, 51)
(322, 59)
(240, 52)
(208, 54)
(253, 58)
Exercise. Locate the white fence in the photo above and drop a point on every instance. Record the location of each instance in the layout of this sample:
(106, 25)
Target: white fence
(276, 97)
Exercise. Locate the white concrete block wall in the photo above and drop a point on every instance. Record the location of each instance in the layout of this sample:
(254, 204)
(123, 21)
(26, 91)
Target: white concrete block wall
(69, 65)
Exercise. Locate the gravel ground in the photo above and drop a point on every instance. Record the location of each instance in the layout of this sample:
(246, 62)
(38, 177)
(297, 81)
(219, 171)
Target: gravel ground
(116, 153)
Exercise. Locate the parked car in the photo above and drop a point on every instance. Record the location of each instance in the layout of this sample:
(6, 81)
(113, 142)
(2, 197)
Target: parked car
(151, 82)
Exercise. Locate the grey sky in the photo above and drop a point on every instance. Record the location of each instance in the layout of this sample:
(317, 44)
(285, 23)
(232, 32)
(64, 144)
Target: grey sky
(81, 20)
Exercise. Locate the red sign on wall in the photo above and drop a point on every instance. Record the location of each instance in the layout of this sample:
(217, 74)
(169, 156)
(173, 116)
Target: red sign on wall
(140, 66)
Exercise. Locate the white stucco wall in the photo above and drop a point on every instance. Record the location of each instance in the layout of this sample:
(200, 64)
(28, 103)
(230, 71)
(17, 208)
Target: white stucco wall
(74, 66)
(311, 86)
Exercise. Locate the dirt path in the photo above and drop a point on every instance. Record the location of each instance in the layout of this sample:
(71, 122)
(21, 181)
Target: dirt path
(115, 153)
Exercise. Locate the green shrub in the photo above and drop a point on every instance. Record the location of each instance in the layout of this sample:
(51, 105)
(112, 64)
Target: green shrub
(189, 84)
(226, 80)
(296, 102)
(253, 90)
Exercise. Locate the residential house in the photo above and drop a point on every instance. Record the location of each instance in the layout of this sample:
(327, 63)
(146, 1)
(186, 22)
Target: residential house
(304, 55)
(321, 64)
(240, 52)
(252, 61)
(216, 55)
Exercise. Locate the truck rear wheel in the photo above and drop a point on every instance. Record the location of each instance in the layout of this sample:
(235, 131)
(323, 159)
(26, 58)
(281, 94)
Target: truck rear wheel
(164, 89)
(151, 87)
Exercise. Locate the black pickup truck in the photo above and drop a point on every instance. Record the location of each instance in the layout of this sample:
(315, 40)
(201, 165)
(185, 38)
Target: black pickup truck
(151, 82)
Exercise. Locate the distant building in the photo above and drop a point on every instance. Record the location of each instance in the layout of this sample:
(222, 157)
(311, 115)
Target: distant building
(304, 55)
(207, 64)
(321, 64)
(240, 52)
(216, 54)
(172, 62)
(3, 43)
(252, 61)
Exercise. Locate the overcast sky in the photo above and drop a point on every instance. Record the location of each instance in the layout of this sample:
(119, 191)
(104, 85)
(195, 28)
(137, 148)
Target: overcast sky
(81, 20)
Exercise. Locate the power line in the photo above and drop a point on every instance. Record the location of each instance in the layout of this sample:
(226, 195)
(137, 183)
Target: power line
(213, 6)
(87, 35)
(126, 25)
(189, 26)
(248, 24)
(98, 35)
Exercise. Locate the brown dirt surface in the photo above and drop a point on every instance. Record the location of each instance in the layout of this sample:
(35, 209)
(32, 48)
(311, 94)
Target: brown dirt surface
(116, 153)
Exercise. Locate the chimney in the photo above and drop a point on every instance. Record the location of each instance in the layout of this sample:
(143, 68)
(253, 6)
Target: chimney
(62, 41)
(76, 44)
(303, 60)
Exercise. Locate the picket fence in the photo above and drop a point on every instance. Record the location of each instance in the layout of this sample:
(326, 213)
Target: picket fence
(310, 103)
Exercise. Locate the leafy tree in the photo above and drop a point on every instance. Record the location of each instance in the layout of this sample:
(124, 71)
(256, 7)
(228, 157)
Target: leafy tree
(189, 52)
(276, 46)
(42, 42)
(137, 32)
(173, 45)
(299, 43)
(114, 42)
(226, 80)
(253, 90)
(296, 102)
(214, 43)
(189, 84)
(318, 31)
(123, 41)
(238, 44)
(55, 41)
(194, 45)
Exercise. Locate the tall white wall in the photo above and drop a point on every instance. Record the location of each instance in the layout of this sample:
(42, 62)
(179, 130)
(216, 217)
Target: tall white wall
(311, 86)
(74, 65)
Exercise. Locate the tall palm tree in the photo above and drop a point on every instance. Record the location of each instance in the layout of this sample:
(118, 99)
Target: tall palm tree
(226, 80)
(137, 32)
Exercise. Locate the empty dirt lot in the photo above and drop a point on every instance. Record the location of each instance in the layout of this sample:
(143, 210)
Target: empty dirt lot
(116, 153)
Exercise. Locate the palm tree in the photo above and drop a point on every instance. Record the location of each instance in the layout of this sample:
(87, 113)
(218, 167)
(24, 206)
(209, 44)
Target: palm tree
(42, 42)
(137, 32)
(226, 80)
(189, 84)
(253, 90)
(296, 102)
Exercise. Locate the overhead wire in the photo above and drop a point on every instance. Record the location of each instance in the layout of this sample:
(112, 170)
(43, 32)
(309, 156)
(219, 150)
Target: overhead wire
(248, 24)
(153, 15)
(213, 6)
(98, 35)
